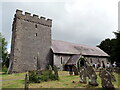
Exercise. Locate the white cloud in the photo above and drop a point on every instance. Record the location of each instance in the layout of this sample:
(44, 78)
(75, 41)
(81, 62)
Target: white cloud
(89, 21)
(79, 21)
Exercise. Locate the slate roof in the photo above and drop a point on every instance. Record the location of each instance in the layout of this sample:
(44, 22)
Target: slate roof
(72, 48)
(73, 59)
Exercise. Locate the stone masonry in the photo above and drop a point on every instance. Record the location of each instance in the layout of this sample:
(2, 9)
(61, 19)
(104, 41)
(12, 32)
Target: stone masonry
(31, 42)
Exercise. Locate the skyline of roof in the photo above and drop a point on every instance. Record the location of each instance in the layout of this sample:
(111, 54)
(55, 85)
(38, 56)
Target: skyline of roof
(64, 47)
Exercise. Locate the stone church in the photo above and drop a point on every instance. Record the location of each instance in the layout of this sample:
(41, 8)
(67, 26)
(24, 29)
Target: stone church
(33, 49)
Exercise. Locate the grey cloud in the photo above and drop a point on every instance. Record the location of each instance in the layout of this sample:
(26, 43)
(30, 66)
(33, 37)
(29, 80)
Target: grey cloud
(89, 25)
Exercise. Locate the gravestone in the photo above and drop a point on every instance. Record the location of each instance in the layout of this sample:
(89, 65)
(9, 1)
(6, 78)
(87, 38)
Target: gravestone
(50, 68)
(56, 72)
(106, 79)
(83, 75)
(92, 76)
(75, 70)
(70, 70)
(88, 71)
(110, 70)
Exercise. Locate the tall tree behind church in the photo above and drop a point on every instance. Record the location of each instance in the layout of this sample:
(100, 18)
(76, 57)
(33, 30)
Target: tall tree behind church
(112, 47)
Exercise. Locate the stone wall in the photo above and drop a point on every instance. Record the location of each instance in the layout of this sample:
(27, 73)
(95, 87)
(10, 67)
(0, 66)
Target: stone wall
(97, 60)
(60, 60)
(31, 42)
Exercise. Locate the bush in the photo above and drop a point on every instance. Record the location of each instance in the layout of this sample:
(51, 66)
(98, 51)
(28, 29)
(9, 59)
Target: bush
(34, 77)
(41, 76)
(53, 77)
(4, 69)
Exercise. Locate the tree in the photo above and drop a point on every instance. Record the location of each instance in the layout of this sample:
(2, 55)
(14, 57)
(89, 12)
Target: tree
(108, 46)
(3, 51)
(117, 48)
(112, 47)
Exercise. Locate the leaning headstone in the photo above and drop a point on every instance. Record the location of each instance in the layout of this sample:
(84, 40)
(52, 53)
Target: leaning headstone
(106, 79)
(26, 82)
(50, 69)
(110, 70)
(56, 72)
(70, 70)
(115, 69)
(92, 76)
(75, 70)
(83, 75)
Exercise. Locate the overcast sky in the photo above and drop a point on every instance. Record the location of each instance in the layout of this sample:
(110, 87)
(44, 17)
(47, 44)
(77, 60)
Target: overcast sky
(79, 21)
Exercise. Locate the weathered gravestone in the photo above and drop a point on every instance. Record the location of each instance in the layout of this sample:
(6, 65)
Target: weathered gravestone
(50, 68)
(91, 75)
(75, 70)
(70, 70)
(83, 75)
(88, 71)
(106, 79)
(110, 70)
(115, 69)
(56, 72)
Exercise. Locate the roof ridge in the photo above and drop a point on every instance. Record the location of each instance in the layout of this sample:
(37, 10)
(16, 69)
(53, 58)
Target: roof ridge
(59, 46)
(75, 43)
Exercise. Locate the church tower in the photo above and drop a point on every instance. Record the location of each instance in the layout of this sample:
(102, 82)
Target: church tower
(31, 42)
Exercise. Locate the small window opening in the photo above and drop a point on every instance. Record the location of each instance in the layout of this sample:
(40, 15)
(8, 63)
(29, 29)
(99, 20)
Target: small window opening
(91, 60)
(35, 25)
(61, 60)
(35, 57)
(35, 34)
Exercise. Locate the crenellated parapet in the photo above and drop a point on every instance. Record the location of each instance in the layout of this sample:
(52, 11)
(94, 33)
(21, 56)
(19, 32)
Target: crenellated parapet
(33, 18)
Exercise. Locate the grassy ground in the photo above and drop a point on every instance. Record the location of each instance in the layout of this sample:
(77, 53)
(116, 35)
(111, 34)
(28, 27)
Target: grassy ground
(66, 81)
(13, 80)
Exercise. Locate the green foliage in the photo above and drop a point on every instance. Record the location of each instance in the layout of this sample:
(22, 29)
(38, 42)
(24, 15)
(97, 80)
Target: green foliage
(41, 76)
(117, 48)
(3, 51)
(112, 47)
(53, 77)
(33, 77)
(108, 46)
(4, 69)
(49, 67)
(45, 76)
(8, 81)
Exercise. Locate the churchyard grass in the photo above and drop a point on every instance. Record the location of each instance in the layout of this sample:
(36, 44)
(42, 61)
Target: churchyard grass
(13, 80)
(66, 81)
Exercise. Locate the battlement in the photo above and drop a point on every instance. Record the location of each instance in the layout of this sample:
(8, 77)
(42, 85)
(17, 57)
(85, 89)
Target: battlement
(33, 18)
